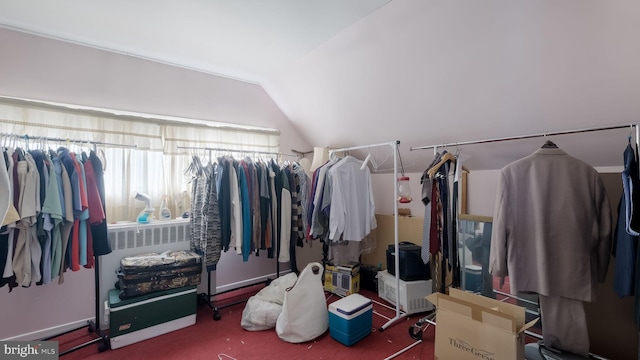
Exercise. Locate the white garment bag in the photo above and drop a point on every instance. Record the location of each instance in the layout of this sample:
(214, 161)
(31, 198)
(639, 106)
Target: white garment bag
(304, 314)
(262, 309)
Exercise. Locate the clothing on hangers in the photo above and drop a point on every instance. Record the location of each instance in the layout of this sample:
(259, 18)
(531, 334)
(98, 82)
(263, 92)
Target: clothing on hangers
(256, 218)
(576, 230)
(439, 241)
(49, 237)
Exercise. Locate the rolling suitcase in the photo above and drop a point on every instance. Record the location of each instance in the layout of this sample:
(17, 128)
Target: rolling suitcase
(151, 272)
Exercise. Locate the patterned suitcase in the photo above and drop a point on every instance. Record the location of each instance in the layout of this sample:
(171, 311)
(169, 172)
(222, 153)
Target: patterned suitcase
(151, 272)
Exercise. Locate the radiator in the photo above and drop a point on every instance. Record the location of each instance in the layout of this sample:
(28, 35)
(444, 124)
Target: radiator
(131, 239)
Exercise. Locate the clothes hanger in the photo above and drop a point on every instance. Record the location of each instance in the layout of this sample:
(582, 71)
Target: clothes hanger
(372, 160)
(425, 173)
(445, 157)
(549, 144)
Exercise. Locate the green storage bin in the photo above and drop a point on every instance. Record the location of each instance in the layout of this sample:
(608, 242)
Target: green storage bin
(143, 317)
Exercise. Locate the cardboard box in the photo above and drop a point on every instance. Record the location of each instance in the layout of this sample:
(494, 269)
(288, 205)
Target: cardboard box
(475, 327)
(342, 280)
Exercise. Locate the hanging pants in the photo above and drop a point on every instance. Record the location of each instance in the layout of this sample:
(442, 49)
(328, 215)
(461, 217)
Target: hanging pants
(564, 324)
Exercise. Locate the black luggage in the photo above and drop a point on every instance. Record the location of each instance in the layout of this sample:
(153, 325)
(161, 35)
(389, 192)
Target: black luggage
(151, 272)
(369, 277)
(411, 266)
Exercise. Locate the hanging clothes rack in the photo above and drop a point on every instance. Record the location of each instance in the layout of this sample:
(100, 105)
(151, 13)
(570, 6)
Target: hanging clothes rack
(91, 324)
(417, 334)
(394, 147)
(205, 298)
(529, 136)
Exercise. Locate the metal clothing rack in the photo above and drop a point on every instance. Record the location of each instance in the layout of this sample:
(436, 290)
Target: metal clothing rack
(530, 136)
(394, 146)
(416, 330)
(91, 324)
(205, 298)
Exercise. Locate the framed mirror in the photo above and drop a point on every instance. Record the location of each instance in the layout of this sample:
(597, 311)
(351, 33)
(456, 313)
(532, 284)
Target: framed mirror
(474, 245)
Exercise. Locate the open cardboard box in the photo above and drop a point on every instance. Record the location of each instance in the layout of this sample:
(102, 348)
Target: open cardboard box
(476, 327)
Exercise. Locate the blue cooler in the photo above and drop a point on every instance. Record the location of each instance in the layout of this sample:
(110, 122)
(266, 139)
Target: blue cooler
(350, 319)
(473, 278)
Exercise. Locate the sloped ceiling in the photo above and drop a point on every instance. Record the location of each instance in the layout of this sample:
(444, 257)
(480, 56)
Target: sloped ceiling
(423, 72)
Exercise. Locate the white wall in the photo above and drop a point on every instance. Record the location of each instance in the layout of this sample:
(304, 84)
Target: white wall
(43, 69)
(481, 193)
(383, 185)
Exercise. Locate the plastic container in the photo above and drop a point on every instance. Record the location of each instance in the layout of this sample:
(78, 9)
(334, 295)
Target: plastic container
(404, 190)
(350, 319)
(412, 293)
(165, 213)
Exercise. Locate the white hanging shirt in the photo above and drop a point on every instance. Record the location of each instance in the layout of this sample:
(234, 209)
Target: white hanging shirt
(353, 210)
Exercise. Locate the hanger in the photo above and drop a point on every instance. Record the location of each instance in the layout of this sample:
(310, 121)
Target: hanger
(445, 157)
(548, 144)
(367, 160)
(425, 174)
(26, 143)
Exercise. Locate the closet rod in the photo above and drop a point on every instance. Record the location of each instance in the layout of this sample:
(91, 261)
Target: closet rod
(236, 150)
(520, 137)
(392, 143)
(46, 138)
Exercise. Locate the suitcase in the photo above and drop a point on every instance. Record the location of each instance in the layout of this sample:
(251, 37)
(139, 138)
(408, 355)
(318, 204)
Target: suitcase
(411, 266)
(151, 272)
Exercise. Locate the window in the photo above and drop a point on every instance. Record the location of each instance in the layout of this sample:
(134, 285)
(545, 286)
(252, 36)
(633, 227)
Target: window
(155, 166)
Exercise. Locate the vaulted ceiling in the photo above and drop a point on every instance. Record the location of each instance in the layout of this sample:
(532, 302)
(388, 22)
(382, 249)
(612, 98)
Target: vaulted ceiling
(423, 72)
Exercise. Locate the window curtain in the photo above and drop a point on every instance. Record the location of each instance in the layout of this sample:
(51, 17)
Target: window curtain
(155, 166)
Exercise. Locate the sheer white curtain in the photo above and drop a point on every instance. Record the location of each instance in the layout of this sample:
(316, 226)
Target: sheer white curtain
(155, 166)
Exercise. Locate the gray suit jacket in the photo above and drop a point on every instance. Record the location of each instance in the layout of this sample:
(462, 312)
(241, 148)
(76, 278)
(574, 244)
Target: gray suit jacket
(551, 226)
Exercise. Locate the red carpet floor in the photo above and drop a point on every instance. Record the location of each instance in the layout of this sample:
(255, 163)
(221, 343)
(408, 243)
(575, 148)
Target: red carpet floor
(225, 339)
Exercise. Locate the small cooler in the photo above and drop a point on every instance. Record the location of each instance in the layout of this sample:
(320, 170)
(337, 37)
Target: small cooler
(143, 317)
(350, 319)
(473, 278)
